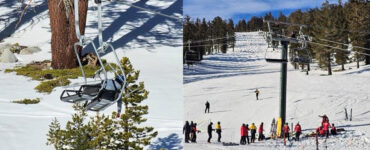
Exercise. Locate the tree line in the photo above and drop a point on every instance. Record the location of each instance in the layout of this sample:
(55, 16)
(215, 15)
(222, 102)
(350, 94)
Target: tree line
(201, 32)
(346, 23)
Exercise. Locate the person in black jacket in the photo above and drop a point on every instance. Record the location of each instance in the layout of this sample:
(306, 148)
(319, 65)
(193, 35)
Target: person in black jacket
(207, 107)
(186, 131)
(210, 129)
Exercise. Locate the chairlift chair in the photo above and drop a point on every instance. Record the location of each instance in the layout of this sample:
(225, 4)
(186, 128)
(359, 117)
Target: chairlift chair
(97, 96)
(192, 56)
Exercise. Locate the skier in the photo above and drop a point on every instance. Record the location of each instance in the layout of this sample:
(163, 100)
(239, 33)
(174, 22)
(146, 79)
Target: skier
(207, 107)
(324, 119)
(191, 131)
(326, 127)
(243, 131)
(286, 130)
(260, 132)
(257, 92)
(246, 135)
(194, 130)
(218, 131)
(298, 131)
(186, 131)
(333, 129)
(253, 129)
(210, 129)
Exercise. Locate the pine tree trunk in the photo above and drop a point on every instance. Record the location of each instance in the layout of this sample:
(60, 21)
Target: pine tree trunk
(358, 63)
(329, 64)
(126, 129)
(295, 66)
(63, 34)
(308, 67)
(342, 67)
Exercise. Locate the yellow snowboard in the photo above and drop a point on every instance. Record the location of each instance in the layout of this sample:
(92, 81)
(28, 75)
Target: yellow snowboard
(278, 127)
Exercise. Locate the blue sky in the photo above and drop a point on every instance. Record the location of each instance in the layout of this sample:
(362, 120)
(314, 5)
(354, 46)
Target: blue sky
(239, 9)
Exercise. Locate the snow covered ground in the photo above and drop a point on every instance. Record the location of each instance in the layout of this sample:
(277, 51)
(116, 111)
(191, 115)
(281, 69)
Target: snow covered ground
(228, 82)
(148, 40)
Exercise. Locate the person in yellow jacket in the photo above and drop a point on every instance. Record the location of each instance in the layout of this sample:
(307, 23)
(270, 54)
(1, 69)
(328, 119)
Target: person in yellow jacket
(253, 129)
(257, 93)
(218, 131)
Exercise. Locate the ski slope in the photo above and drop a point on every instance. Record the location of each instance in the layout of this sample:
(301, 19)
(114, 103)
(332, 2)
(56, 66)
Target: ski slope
(228, 82)
(148, 40)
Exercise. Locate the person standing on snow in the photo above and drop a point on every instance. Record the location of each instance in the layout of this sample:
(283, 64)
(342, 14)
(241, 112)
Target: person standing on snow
(260, 132)
(218, 131)
(210, 129)
(207, 107)
(243, 132)
(194, 130)
(324, 119)
(257, 93)
(191, 131)
(186, 130)
(246, 134)
(298, 131)
(326, 127)
(253, 129)
(286, 130)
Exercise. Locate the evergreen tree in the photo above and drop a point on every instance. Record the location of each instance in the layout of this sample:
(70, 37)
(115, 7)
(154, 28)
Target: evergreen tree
(104, 131)
(341, 28)
(358, 14)
(230, 31)
(325, 30)
(134, 135)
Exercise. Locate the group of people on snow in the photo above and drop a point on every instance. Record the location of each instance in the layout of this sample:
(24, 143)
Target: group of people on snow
(323, 129)
(244, 139)
(190, 131)
(218, 131)
(297, 131)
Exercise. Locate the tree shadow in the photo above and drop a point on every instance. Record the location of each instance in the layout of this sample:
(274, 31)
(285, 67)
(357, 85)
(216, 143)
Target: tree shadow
(10, 26)
(140, 33)
(171, 142)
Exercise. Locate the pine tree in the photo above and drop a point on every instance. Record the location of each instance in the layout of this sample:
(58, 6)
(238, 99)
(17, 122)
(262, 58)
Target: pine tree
(341, 28)
(63, 35)
(230, 33)
(325, 30)
(134, 136)
(104, 131)
(358, 14)
(55, 135)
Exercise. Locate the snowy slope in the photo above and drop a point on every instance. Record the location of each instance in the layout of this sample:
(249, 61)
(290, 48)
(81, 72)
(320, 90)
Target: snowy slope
(148, 41)
(228, 82)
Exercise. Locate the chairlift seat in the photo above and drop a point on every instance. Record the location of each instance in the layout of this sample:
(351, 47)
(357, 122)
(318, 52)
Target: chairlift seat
(84, 93)
(106, 97)
(276, 60)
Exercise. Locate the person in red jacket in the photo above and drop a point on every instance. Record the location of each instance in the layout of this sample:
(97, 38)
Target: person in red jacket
(243, 132)
(326, 127)
(260, 132)
(320, 131)
(324, 119)
(298, 131)
(286, 130)
(333, 129)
